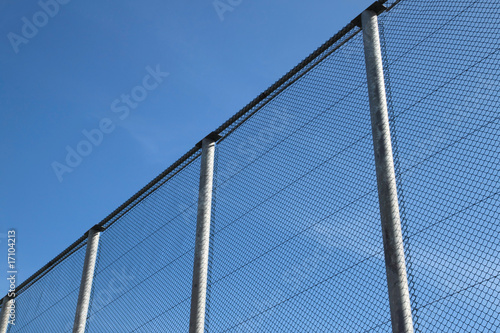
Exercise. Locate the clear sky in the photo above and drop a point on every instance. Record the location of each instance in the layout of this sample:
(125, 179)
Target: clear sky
(67, 74)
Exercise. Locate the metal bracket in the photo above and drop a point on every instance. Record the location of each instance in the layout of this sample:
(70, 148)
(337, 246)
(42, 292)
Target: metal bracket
(377, 7)
(97, 227)
(214, 136)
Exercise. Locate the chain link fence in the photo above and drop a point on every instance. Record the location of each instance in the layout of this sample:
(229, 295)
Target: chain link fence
(296, 242)
(148, 249)
(442, 62)
(47, 304)
(296, 229)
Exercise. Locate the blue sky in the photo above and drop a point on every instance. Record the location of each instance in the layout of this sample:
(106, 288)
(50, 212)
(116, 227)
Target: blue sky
(64, 79)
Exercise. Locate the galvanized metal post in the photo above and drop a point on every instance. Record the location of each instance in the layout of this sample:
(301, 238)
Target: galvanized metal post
(201, 249)
(4, 315)
(86, 282)
(399, 297)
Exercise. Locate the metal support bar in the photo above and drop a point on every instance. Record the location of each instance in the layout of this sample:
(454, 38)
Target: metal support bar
(201, 249)
(86, 282)
(4, 315)
(399, 297)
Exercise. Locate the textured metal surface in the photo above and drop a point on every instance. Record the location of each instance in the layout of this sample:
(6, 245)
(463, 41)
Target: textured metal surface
(202, 241)
(82, 305)
(395, 266)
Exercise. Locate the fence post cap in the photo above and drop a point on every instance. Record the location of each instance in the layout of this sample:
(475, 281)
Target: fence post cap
(214, 136)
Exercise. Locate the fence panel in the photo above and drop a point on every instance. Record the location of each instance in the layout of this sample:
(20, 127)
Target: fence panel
(442, 60)
(296, 243)
(144, 267)
(49, 303)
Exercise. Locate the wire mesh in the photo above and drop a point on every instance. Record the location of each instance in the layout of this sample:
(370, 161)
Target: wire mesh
(296, 244)
(143, 276)
(442, 60)
(49, 303)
